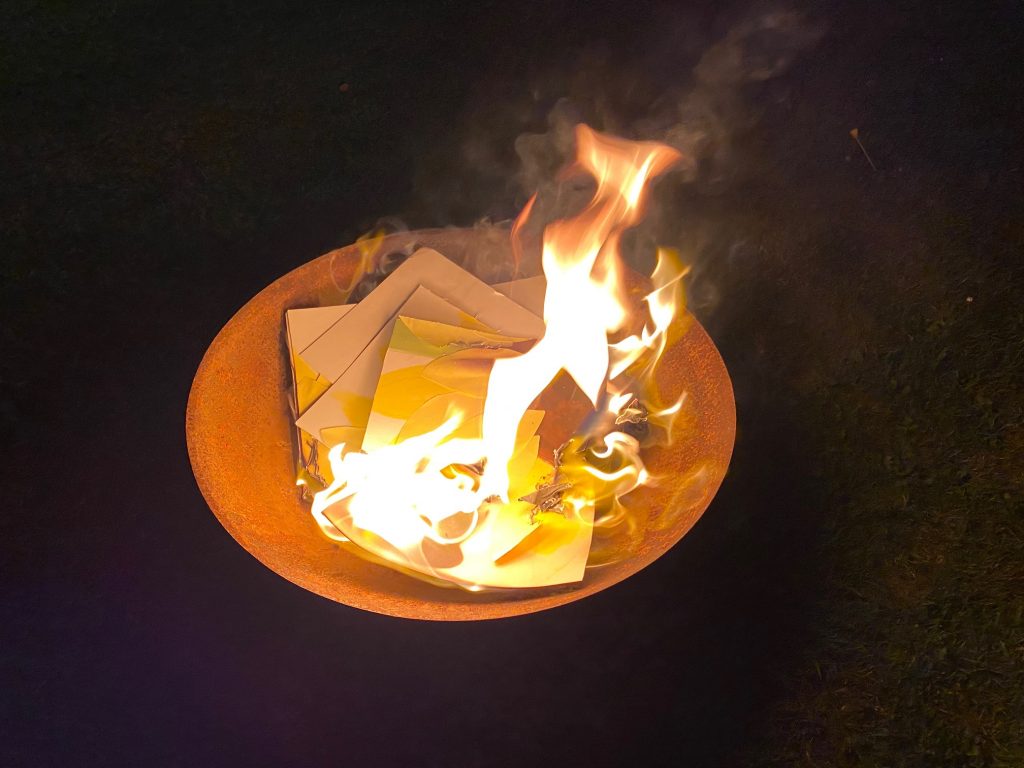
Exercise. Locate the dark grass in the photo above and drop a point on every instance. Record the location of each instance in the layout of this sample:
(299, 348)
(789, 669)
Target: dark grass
(919, 658)
(854, 597)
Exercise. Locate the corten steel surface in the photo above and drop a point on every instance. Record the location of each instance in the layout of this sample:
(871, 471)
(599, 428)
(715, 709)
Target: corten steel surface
(240, 435)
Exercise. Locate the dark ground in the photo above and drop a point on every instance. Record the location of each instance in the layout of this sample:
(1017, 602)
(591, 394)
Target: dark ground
(855, 594)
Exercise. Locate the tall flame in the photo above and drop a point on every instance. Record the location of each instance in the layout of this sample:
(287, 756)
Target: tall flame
(403, 493)
(580, 308)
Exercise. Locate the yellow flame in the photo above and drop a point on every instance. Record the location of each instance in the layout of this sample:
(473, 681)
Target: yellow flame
(407, 493)
(579, 311)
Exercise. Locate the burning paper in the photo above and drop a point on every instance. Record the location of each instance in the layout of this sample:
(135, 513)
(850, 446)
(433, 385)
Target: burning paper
(426, 395)
(349, 353)
(341, 418)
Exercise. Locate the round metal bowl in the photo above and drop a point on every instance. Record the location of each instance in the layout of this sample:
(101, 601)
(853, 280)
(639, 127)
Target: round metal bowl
(240, 434)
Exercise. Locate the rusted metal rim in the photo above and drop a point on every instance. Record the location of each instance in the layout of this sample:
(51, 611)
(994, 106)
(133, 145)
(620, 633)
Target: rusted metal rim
(239, 433)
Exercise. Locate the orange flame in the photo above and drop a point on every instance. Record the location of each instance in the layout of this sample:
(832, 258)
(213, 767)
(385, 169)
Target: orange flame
(579, 309)
(405, 495)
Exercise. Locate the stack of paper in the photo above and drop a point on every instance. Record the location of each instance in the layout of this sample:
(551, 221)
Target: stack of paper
(391, 367)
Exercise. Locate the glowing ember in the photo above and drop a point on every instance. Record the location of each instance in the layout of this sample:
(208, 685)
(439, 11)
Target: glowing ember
(425, 494)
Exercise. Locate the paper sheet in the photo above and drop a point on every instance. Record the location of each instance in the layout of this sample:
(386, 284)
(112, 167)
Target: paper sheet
(302, 326)
(342, 408)
(338, 347)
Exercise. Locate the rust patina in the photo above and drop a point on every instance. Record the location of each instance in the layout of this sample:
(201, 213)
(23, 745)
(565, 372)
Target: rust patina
(239, 431)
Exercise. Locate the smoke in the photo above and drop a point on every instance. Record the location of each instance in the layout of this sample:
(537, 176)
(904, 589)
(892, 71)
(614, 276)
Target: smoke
(703, 98)
(701, 117)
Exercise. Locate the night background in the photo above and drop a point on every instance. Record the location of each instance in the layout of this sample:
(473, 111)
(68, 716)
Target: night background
(854, 596)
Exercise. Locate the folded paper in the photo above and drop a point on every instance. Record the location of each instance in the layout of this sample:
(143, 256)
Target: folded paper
(338, 347)
(302, 327)
(342, 407)
(331, 426)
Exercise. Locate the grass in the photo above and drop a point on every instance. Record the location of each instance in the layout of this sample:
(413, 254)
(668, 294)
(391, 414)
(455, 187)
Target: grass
(919, 659)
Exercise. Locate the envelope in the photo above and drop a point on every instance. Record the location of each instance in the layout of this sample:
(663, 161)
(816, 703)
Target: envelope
(305, 325)
(337, 348)
(429, 369)
(302, 327)
(342, 407)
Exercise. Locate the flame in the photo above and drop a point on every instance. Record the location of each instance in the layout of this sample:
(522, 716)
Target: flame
(417, 509)
(579, 309)
(406, 496)
(516, 235)
(368, 246)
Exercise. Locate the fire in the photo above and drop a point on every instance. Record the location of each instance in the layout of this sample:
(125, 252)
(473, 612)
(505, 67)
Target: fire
(438, 488)
(575, 341)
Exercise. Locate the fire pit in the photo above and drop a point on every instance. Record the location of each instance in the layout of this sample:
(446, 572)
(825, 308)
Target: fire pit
(438, 398)
(240, 441)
